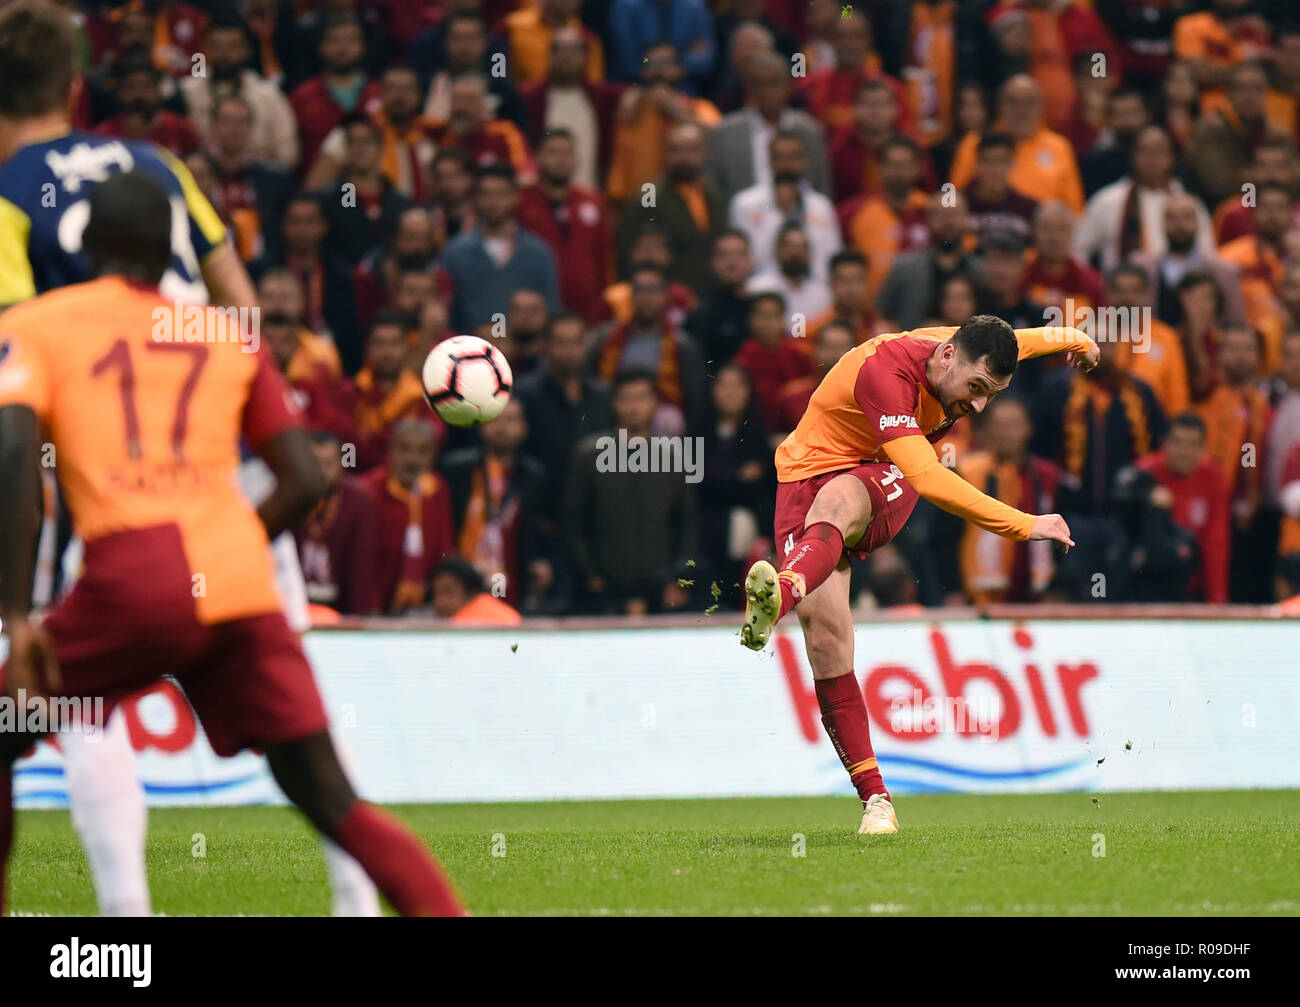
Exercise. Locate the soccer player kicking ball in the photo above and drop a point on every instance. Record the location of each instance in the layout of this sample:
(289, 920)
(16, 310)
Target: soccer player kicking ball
(149, 480)
(850, 474)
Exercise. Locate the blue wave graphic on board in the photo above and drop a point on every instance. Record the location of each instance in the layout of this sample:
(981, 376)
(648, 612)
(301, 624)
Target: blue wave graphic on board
(170, 789)
(959, 776)
(982, 774)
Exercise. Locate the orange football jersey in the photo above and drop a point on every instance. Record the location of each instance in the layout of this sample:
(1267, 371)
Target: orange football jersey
(146, 429)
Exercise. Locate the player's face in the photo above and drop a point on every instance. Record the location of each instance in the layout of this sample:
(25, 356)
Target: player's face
(966, 386)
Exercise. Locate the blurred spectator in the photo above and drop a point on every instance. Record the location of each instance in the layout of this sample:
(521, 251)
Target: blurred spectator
(316, 391)
(1201, 310)
(526, 318)
(470, 126)
(453, 191)
(1186, 250)
(831, 92)
(760, 210)
(363, 206)
(337, 541)
(833, 340)
(562, 405)
(460, 595)
(740, 145)
(738, 483)
(384, 391)
(375, 276)
(995, 569)
(141, 115)
(683, 204)
(1275, 163)
(1092, 425)
(415, 528)
(1128, 216)
(1197, 499)
(747, 41)
(908, 295)
(1144, 346)
(650, 247)
(251, 194)
(720, 324)
(316, 356)
(406, 139)
(855, 147)
(321, 102)
(958, 299)
(972, 118)
(532, 30)
(1212, 41)
(1003, 272)
(919, 47)
(1260, 258)
(647, 141)
(1236, 414)
(1223, 144)
(1288, 550)
(770, 357)
(1284, 432)
(427, 52)
(574, 222)
(497, 257)
(1179, 103)
(273, 131)
(1144, 34)
(305, 51)
(630, 530)
(638, 27)
(849, 300)
(566, 99)
(994, 203)
(467, 55)
(894, 220)
(650, 342)
(328, 305)
(496, 499)
(1110, 158)
(1045, 167)
(791, 277)
(1053, 277)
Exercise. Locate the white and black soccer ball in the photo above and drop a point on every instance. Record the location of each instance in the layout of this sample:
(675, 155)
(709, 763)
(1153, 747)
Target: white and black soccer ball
(467, 381)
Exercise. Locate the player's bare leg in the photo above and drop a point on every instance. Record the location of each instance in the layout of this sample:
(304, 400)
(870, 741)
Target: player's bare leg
(309, 773)
(840, 513)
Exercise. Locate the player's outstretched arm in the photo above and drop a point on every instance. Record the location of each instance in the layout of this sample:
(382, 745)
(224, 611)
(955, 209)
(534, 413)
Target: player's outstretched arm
(1081, 349)
(226, 278)
(915, 458)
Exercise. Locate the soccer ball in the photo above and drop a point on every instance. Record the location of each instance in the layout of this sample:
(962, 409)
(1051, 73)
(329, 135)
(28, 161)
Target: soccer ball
(466, 380)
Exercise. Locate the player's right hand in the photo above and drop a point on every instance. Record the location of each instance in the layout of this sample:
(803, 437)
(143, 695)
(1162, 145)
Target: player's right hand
(1052, 527)
(32, 665)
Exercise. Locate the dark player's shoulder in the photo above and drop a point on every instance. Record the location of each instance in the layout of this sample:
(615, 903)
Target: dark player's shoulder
(66, 166)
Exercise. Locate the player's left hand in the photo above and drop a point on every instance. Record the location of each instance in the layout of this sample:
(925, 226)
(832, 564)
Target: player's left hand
(32, 665)
(1086, 360)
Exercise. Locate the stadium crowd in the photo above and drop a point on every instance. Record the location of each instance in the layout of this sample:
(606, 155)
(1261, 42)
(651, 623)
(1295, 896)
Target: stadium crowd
(674, 216)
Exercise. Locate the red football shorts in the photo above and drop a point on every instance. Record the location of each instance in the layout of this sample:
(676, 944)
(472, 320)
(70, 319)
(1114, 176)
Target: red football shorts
(131, 619)
(892, 500)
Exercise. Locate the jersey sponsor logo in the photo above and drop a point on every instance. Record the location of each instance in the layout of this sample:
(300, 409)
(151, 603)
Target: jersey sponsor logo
(789, 543)
(86, 163)
(890, 422)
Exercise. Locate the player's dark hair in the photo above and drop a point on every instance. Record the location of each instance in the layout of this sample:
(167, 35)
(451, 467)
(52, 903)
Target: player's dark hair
(130, 226)
(1188, 421)
(38, 59)
(463, 571)
(987, 336)
(631, 376)
(991, 141)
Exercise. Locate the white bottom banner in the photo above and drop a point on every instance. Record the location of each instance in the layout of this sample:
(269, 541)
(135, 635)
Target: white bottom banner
(971, 706)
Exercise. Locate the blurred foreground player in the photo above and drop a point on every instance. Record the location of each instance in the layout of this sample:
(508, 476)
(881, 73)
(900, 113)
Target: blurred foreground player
(149, 481)
(849, 476)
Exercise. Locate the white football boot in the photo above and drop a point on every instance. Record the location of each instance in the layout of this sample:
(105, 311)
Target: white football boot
(762, 605)
(878, 818)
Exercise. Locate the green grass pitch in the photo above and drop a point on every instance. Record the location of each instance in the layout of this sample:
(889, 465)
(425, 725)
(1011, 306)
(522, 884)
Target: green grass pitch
(1197, 853)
